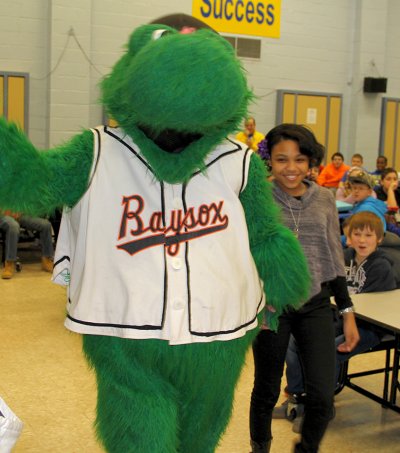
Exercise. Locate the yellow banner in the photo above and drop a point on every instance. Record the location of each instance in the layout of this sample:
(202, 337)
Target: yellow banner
(240, 17)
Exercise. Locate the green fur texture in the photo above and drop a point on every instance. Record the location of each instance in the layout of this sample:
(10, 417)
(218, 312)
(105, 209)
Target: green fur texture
(277, 253)
(158, 398)
(37, 182)
(152, 397)
(184, 95)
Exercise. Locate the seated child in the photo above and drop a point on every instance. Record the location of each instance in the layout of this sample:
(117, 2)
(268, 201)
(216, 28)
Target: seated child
(314, 172)
(362, 185)
(368, 269)
(344, 192)
(388, 189)
(362, 190)
(332, 173)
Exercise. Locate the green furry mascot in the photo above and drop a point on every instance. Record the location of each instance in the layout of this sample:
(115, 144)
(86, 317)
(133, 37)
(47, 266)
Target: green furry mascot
(169, 240)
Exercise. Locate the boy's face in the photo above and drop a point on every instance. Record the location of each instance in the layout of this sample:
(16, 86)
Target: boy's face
(337, 161)
(356, 162)
(380, 163)
(360, 191)
(364, 242)
(313, 173)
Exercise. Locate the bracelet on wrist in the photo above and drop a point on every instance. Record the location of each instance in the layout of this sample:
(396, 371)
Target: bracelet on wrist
(347, 310)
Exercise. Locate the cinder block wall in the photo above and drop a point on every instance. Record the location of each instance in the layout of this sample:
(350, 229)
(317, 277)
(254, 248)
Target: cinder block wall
(325, 45)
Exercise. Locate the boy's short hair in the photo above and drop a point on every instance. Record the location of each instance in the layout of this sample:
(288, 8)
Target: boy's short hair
(337, 154)
(357, 156)
(366, 219)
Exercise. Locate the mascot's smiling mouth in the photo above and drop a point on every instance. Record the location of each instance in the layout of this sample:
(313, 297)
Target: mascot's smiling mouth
(170, 140)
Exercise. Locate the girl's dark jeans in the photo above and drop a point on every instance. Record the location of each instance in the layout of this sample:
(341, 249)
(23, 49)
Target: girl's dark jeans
(312, 326)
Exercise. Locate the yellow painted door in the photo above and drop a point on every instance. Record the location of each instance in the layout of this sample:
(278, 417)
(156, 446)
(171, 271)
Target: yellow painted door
(391, 132)
(16, 100)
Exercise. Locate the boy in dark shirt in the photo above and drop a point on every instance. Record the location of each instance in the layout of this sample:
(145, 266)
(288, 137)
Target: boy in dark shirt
(368, 269)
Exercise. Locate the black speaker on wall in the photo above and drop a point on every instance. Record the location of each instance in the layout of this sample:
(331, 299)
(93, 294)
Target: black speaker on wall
(375, 84)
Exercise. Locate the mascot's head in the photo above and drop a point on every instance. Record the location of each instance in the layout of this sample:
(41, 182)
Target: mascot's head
(177, 93)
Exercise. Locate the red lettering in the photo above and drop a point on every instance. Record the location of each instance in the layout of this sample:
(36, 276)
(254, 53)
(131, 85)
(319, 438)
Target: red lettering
(189, 220)
(156, 222)
(181, 226)
(128, 215)
(218, 216)
(204, 215)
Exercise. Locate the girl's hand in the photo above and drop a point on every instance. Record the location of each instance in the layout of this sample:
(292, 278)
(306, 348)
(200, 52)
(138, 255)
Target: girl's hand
(264, 325)
(351, 334)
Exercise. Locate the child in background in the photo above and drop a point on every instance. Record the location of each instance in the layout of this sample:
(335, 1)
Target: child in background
(332, 174)
(310, 212)
(368, 269)
(361, 188)
(344, 191)
(381, 164)
(357, 160)
(388, 189)
(313, 173)
(362, 185)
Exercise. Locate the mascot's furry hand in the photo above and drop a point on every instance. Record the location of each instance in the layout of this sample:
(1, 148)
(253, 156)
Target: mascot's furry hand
(201, 203)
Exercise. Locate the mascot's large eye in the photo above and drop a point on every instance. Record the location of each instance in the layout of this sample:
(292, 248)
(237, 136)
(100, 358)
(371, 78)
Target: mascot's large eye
(159, 33)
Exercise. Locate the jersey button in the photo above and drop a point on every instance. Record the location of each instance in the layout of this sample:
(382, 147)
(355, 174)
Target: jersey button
(177, 263)
(178, 304)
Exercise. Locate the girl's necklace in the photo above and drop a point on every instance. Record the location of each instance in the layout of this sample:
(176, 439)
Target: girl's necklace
(296, 223)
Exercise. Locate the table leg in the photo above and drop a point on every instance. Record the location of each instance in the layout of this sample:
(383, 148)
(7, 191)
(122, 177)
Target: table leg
(395, 371)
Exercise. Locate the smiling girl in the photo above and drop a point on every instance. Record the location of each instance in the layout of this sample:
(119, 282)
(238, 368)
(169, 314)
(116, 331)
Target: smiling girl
(310, 212)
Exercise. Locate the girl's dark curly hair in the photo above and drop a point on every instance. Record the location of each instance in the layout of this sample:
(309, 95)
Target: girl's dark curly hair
(306, 140)
(386, 171)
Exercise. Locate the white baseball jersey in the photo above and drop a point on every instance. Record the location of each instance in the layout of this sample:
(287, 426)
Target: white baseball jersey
(148, 259)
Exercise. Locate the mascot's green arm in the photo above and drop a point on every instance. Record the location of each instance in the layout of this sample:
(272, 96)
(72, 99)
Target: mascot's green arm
(277, 253)
(36, 182)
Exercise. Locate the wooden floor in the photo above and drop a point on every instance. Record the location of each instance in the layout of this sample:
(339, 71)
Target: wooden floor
(45, 380)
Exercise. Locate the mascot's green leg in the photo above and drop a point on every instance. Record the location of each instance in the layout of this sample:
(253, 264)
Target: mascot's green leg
(157, 398)
(136, 407)
(206, 400)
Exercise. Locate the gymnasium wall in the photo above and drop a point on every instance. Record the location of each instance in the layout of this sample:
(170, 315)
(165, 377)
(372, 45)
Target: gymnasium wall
(324, 46)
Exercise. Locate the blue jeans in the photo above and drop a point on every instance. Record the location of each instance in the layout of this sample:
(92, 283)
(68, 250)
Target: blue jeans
(294, 370)
(11, 227)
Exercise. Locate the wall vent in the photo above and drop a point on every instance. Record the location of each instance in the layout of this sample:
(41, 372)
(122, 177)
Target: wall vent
(245, 47)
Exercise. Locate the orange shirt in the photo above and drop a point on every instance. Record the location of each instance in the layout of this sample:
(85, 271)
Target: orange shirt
(11, 214)
(331, 176)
